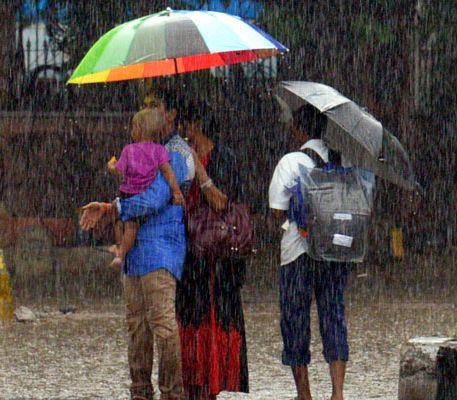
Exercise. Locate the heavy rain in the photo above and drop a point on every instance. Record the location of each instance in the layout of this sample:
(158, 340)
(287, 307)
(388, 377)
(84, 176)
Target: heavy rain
(220, 100)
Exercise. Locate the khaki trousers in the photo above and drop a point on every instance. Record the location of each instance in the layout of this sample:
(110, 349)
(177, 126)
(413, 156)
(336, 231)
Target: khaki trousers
(150, 303)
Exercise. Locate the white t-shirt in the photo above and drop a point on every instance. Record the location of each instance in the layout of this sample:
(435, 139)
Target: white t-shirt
(285, 174)
(178, 144)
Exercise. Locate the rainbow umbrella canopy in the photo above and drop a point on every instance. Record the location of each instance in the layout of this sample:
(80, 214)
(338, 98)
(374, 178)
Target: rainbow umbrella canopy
(173, 42)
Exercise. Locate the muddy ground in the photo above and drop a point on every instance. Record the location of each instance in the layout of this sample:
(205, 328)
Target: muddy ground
(83, 355)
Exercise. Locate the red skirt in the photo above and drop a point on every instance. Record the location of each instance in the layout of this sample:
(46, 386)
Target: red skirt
(211, 357)
(213, 341)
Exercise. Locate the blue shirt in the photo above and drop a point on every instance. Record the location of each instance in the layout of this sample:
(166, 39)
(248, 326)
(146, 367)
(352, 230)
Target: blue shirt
(161, 238)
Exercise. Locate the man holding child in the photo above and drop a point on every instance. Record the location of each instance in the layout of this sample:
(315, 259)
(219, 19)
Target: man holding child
(151, 269)
(155, 262)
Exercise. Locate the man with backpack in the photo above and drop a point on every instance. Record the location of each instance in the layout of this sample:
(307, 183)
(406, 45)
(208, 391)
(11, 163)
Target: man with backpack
(309, 261)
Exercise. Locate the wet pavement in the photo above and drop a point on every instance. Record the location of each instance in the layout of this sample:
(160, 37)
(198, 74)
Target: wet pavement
(83, 355)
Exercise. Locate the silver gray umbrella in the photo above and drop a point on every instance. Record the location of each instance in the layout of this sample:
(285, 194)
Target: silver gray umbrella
(352, 131)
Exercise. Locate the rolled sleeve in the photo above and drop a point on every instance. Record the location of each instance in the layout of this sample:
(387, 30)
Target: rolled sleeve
(278, 195)
(284, 177)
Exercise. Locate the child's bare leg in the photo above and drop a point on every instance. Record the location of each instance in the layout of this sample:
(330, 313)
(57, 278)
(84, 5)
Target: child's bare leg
(128, 239)
(125, 239)
(118, 235)
(118, 232)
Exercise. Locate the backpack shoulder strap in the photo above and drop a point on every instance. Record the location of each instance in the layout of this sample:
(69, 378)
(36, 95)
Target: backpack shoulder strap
(314, 155)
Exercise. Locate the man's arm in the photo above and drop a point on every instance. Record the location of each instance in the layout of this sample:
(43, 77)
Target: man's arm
(278, 195)
(156, 197)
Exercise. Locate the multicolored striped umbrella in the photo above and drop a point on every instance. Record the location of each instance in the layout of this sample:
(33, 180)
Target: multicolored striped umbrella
(173, 42)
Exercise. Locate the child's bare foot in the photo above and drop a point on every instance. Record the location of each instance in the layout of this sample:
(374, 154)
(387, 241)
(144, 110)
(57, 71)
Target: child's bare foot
(117, 263)
(115, 250)
(118, 260)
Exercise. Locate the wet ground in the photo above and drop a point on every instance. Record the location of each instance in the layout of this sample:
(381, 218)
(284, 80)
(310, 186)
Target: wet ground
(83, 355)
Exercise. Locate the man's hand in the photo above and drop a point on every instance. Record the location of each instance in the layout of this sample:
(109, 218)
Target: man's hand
(92, 213)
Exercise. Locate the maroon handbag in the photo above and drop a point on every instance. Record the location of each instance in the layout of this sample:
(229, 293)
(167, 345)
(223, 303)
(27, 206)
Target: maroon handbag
(228, 233)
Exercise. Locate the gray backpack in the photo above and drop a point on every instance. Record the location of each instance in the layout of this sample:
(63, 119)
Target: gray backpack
(338, 211)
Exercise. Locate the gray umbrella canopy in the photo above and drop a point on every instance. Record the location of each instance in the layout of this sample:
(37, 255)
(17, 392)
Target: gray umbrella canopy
(353, 131)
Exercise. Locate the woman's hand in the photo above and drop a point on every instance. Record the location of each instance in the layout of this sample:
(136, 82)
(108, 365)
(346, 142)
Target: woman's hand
(92, 213)
(216, 199)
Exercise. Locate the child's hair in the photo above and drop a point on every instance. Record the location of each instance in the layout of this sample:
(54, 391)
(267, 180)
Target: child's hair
(150, 122)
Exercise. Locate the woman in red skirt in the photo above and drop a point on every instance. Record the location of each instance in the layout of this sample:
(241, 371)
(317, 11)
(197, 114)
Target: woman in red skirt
(209, 306)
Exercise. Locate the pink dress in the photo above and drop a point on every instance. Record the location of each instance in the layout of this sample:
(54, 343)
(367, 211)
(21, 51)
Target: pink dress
(139, 164)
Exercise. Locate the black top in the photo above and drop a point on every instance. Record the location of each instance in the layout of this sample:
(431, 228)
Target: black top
(224, 169)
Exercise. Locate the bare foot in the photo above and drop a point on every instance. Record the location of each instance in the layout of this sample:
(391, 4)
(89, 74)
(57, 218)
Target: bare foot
(117, 263)
(115, 249)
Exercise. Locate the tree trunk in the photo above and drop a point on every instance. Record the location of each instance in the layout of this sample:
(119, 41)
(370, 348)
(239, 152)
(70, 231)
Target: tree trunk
(428, 369)
(446, 361)
(7, 49)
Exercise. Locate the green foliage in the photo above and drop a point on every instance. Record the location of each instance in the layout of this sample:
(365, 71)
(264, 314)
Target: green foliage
(437, 32)
(86, 21)
(369, 30)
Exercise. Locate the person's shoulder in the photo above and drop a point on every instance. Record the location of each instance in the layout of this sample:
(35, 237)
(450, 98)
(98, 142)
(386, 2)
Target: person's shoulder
(292, 157)
(129, 146)
(157, 147)
(177, 139)
(292, 161)
(129, 149)
(177, 143)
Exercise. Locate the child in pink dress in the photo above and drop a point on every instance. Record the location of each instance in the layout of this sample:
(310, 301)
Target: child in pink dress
(139, 164)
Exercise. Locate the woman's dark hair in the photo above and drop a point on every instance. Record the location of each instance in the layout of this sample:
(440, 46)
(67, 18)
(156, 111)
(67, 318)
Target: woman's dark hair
(190, 110)
(193, 111)
(310, 120)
